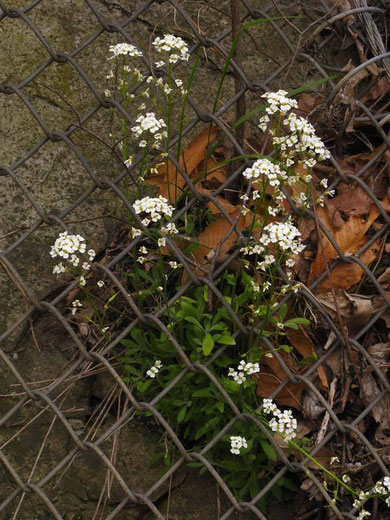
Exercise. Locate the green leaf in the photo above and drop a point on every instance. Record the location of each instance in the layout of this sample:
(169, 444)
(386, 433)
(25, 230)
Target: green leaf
(182, 413)
(194, 321)
(129, 343)
(203, 392)
(282, 311)
(301, 321)
(268, 449)
(131, 370)
(207, 344)
(291, 325)
(142, 386)
(220, 405)
(226, 340)
(195, 464)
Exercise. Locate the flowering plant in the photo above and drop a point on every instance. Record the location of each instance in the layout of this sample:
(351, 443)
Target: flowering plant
(198, 328)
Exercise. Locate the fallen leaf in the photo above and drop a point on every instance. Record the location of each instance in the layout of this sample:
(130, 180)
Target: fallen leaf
(351, 202)
(380, 353)
(216, 232)
(272, 374)
(169, 180)
(350, 238)
(354, 309)
(370, 390)
(311, 406)
(385, 277)
(300, 340)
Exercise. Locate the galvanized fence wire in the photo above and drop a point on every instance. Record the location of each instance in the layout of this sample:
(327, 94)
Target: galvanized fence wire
(47, 398)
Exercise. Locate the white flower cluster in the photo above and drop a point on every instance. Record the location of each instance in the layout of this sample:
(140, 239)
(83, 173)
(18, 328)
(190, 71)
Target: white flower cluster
(243, 370)
(75, 305)
(284, 235)
(236, 443)
(70, 247)
(155, 207)
(281, 422)
(279, 102)
(382, 487)
(149, 126)
(175, 46)
(264, 167)
(124, 49)
(167, 88)
(154, 370)
(169, 229)
(302, 143)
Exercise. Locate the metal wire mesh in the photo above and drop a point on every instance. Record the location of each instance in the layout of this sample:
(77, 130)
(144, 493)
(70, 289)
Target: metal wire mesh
(48, 398)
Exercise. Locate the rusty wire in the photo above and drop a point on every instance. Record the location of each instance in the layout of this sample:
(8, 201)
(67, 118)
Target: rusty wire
(45, 397)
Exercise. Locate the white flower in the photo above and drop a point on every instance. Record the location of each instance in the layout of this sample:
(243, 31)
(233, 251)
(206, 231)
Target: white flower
(237, 442)
(129, 161)
(284, 234)
(91, 253)
(345, 478)
(269, 406)
(173, 264)
(59, 268)
(281, 422)
(255, 286)
(149, 126)
(86, 266)
(169, 229)
(179, 82)
(264, 167)
(82, 281)
(363, 513)
(75, 305)
(243, 370)
(67, 245)
(74, 260)
(124, 49)
(159, 64)
(100, 283)
(279, 102)
(174, 46)
(264, 123)
(302, 142)
(134, 232)
(143, 250)
(154, 370)
(155, 207)
(141, 259)
(162, 242)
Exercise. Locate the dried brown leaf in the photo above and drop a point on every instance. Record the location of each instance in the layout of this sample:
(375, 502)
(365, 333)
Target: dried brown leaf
(350, 238)
(169, 181)
(300, 340)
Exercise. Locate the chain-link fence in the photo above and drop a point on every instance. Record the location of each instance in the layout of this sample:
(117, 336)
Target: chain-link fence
(309, 48)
